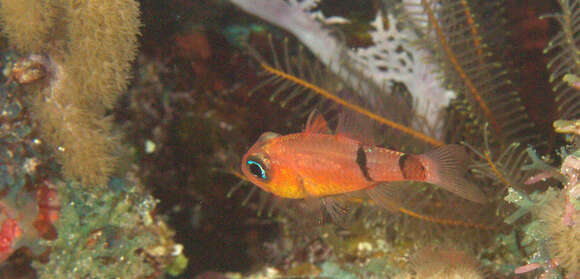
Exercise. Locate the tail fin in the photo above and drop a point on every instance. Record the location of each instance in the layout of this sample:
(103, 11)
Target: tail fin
(446, 167)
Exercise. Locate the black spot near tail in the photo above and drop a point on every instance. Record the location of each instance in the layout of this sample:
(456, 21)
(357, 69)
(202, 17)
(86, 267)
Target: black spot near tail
(411, 168)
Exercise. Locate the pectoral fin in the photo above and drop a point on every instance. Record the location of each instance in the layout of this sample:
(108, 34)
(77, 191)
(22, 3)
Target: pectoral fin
(336, 209)
(334, 206)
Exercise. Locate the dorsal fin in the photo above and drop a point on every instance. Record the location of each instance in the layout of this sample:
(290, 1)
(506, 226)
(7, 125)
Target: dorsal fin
(356, 127)
(316, 124)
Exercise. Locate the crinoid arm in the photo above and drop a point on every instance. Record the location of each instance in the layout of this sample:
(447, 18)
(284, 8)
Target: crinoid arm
(295, 62)
(300, 83)
(565, 59)
(505, 169)
(450, 32)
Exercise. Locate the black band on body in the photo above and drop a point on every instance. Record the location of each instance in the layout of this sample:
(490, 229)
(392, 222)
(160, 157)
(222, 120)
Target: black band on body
(402, 161)
(361, 160)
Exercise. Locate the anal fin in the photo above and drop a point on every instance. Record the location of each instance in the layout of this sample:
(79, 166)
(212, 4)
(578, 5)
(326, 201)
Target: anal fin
(386, 195)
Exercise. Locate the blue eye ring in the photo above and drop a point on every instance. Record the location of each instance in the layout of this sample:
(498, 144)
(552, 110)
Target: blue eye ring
(257, 168)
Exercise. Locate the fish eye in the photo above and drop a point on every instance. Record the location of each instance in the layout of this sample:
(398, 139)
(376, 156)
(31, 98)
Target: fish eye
(257, 168)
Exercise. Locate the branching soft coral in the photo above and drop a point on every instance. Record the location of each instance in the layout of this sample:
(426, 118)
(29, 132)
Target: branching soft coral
(87, 49)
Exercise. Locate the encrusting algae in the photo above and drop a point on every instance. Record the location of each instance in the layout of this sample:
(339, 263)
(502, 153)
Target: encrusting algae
(86, 48)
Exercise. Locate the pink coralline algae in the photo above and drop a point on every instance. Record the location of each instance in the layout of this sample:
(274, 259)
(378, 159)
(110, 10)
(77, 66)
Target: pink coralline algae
(9, 233)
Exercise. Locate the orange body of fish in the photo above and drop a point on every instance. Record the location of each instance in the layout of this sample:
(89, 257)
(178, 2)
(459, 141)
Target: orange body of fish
(316, 163)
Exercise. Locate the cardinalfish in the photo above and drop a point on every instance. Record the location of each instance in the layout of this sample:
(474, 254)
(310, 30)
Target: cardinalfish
(319, 164)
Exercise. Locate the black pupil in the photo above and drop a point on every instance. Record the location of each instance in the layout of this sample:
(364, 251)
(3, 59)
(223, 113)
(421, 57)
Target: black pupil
(256, 170)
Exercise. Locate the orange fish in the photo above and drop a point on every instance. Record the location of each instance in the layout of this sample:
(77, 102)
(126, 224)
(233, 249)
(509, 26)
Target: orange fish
(319, 164)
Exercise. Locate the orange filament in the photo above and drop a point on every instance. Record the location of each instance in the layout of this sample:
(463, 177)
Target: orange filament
(447, 222)
(473, 28)
(462, 74)
(351, 106)
(495, 170)
(238, 174)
